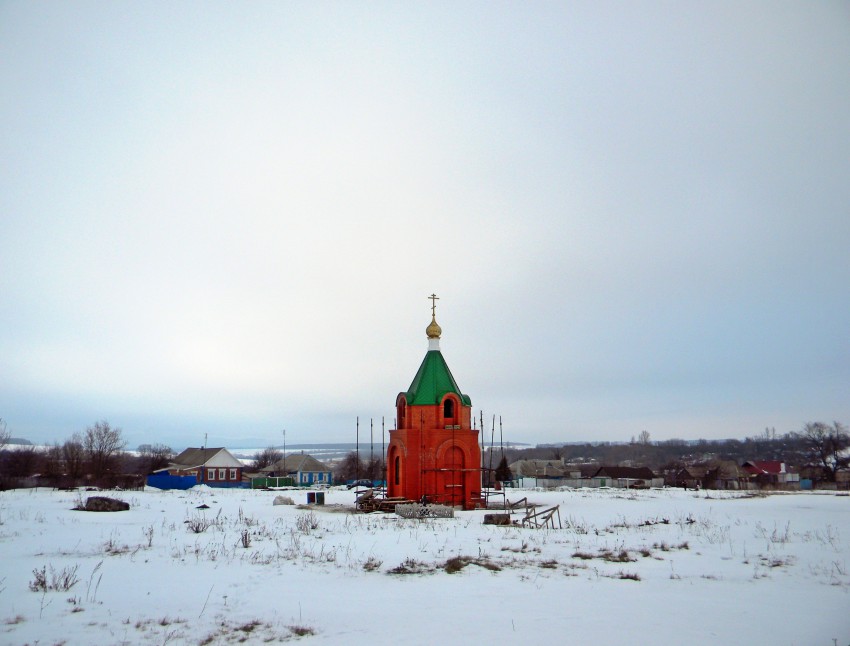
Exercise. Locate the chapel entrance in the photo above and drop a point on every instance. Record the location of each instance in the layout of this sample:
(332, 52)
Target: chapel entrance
(450, 485)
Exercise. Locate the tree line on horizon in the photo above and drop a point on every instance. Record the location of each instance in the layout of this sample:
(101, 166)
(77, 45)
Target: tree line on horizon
(97, 456)
(817, 444)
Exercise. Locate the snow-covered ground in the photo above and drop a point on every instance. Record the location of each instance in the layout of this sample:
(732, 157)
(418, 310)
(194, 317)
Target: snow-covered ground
(646, 567)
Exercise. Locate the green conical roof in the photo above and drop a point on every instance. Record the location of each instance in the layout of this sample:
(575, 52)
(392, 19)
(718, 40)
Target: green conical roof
(432, 381)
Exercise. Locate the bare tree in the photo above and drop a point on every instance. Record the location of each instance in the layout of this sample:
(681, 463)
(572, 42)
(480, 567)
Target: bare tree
(154, 456)
(827, 446)
(351, 467)
(51, 464)
(373, 470)
(643, 438)
(5, 434)
(21, 463)
(74, 457)
(102, 444)
(267, 457)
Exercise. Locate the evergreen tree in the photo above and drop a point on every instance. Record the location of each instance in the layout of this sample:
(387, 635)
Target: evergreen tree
(503, 471)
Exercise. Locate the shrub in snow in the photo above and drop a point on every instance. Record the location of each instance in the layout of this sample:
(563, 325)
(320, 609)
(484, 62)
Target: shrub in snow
(62, 580)
(307, 522)
(198, 524)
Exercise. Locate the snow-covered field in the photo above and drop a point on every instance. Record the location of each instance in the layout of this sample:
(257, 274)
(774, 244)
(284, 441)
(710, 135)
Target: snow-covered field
(647, 567)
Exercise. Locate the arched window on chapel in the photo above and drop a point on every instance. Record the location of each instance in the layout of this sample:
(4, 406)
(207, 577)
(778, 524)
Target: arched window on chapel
(449, 408)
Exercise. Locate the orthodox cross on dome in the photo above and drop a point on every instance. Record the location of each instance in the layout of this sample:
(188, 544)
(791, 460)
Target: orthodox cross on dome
(433, 331)
(433, 298)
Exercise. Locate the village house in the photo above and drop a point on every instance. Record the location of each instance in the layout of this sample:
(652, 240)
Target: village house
(302, 468)
(771, 473)
(691, 477)
(556, 473)
(545, 473)
(811, 475)
(726, 474)
(718, 474)
(216, 467)
(626, 477)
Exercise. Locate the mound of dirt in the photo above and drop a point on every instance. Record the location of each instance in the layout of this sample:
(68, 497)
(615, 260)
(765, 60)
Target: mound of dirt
(102, 503)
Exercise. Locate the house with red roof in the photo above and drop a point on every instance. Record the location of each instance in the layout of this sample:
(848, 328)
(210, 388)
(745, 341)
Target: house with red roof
(771, 473)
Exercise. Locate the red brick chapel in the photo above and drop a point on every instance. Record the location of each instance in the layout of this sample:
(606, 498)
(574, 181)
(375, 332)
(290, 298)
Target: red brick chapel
(433, 453)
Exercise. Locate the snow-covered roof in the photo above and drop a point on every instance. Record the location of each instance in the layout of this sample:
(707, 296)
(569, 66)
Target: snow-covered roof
(297, 462)
(541, 468)
(760, 467)
(210, 457)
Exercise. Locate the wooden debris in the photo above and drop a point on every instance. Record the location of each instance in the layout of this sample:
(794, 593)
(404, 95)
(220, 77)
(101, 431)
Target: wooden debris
(542, 519)
(367, 502)
(417, 510)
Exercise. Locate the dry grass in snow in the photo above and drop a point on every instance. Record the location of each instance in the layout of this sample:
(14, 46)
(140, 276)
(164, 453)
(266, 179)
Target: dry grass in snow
(210, 566)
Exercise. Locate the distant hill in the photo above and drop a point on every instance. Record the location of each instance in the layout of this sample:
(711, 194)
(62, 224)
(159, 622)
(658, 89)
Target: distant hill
(19, 440)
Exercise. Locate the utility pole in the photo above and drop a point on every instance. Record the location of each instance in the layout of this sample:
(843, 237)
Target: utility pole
(383, 455)
(285, 471)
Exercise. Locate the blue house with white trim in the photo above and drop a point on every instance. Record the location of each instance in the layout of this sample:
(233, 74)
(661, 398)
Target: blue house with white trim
(304, 469)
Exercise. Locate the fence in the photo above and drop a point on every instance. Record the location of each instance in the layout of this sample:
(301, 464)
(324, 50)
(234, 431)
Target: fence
(165, 481)
(272, 482)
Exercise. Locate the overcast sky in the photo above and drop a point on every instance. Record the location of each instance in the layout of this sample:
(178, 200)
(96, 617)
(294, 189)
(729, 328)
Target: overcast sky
(226, 218)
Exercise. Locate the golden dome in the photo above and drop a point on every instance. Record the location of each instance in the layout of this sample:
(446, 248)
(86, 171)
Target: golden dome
(433, 330)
